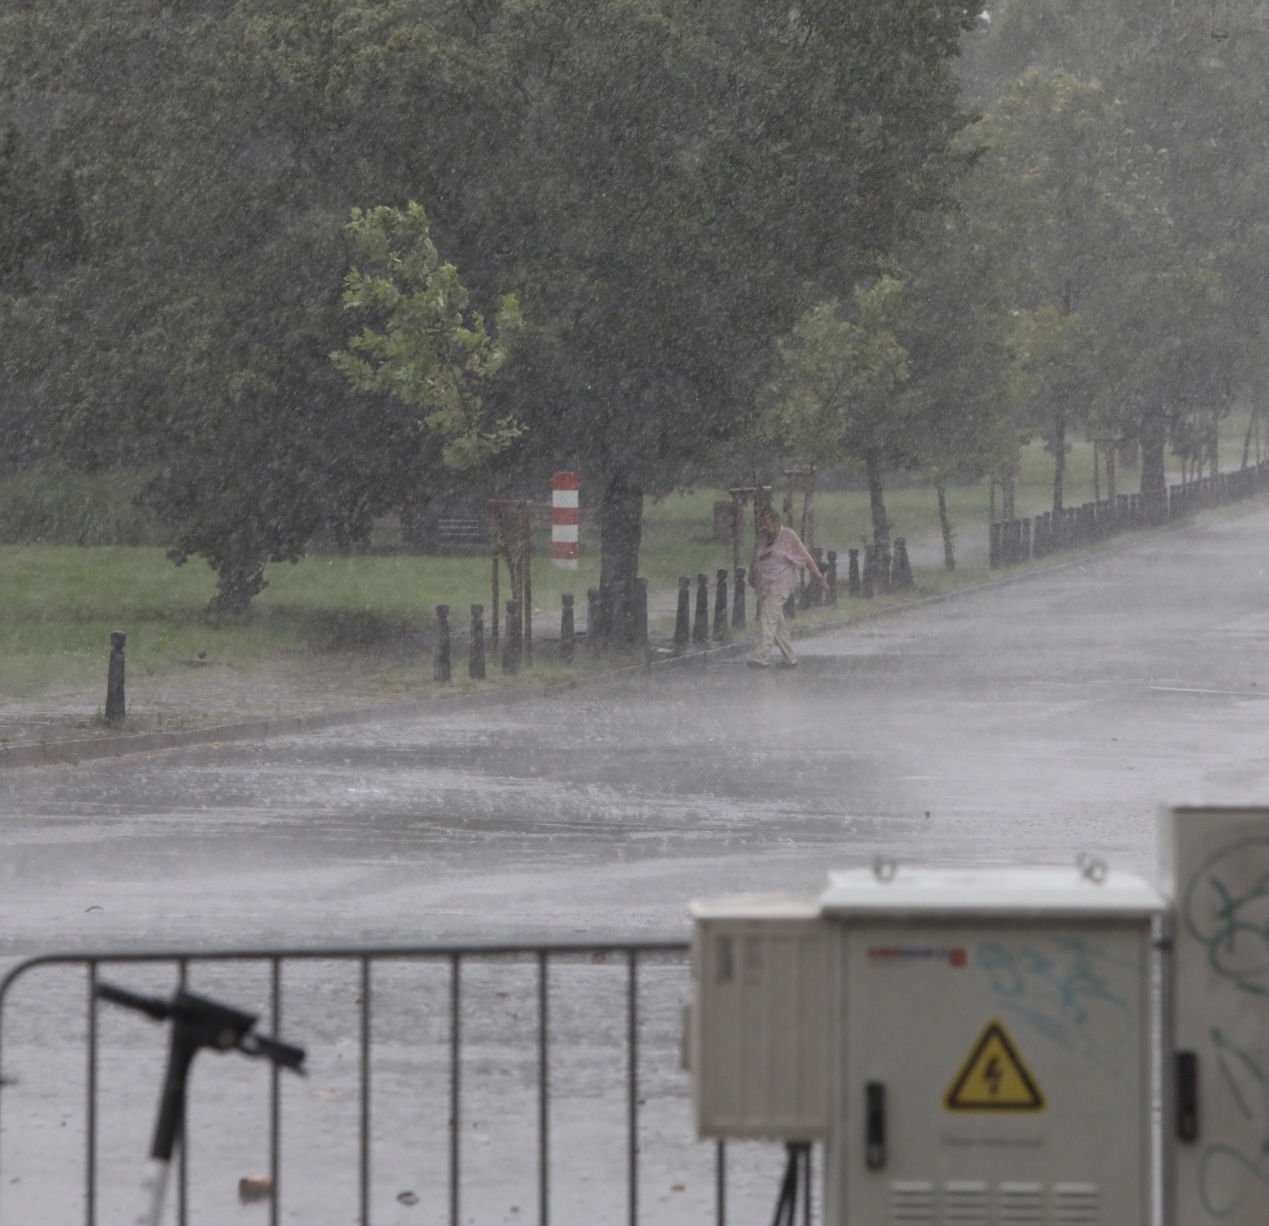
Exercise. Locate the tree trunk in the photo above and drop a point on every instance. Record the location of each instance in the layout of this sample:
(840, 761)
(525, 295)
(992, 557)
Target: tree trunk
(1251, 426)
(949, 547)
(1059, 460)
(877, 501)
(621, 534)
(1154, 485)
(237, 581)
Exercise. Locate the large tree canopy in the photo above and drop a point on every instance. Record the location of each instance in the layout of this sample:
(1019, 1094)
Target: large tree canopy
(666, 185)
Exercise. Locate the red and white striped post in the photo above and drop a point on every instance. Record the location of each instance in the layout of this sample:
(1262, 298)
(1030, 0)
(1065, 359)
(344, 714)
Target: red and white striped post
(564, 521)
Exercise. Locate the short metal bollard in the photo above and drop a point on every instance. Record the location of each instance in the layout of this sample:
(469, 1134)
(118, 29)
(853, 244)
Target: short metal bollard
(476, 652)
(116, 706)
(682, 620)
(700, 627)
(867, 587)
(566, 628)
(441, 654)
(816, 592)
(853, 587)
(720, 606)
(830, 577)
(511, 653)
(738, 604)
(901, 570)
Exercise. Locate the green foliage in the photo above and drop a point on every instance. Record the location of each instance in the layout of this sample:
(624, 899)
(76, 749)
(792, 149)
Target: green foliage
(838, 402)
(433, 353)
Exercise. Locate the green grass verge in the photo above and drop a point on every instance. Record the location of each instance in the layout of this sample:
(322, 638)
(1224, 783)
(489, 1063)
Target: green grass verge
(58, 604)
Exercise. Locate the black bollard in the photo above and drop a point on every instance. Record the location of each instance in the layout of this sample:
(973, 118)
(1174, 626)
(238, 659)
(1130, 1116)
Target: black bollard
(817, 593)
(901, 571)
(639, 614)
(720, 606)
(593, 634)
(682, 621)
(867, 585)
(852, 572)
(1026, 540)
(441, 654)
(700, 627)
(116, 707)
(511, 652)
(738, 604)
(994, 548)
(830, 577)
(476, 652)
(566, 628)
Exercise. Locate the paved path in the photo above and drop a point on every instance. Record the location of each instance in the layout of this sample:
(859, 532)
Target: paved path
(1033, 721)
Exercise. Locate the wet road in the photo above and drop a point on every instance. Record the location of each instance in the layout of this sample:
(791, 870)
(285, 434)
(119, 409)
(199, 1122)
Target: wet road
(1029, 722)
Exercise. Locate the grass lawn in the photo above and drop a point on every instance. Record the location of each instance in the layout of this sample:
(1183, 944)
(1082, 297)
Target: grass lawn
(59, 604)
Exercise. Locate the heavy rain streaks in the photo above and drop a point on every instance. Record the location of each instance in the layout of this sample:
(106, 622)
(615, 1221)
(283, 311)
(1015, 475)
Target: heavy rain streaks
(1034, 721)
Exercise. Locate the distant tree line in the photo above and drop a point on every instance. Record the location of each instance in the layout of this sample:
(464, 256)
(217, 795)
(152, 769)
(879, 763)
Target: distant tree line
(618, 236)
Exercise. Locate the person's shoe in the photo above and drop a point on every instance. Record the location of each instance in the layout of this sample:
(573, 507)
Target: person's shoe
(757, 663)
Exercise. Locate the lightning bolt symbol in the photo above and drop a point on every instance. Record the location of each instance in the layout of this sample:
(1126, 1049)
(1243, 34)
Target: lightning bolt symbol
(992, 1074)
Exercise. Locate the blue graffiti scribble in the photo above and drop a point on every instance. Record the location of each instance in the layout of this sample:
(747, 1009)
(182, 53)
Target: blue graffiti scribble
(1226, 909)
(1228, 1174)
(1061, 989)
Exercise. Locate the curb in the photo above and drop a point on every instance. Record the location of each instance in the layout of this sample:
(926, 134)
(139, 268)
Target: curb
(73, 752)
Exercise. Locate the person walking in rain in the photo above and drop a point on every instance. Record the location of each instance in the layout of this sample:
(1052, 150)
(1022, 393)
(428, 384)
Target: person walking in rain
(778, 554)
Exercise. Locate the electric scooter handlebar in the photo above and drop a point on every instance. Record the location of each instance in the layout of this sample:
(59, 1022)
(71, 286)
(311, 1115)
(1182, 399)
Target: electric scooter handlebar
(208, 1023)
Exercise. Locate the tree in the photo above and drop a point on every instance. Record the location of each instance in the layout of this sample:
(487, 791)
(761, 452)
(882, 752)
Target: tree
(433, 353)
(839, 392)
(1077, 199)
(960, 336)
(665, 184)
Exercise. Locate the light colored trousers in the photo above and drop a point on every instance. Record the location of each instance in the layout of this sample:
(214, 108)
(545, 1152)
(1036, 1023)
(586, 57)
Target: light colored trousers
(773, 630)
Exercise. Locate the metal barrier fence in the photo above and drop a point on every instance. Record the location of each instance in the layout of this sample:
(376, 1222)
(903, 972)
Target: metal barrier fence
(450, 968)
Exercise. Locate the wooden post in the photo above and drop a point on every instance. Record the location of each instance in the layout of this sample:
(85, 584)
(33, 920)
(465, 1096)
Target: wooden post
(116, 707)
(493, 613)
(526, 580)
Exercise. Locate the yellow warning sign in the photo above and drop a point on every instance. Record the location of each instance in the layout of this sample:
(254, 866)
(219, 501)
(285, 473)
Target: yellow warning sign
(994, 1077)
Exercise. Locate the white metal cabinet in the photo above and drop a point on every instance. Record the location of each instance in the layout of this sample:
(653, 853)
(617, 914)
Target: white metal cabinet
(991, 1040)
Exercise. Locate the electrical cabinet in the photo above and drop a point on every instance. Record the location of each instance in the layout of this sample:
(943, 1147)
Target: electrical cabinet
(993, 1046)
(758, 1022)
(974, 1046)
(1218, 1127)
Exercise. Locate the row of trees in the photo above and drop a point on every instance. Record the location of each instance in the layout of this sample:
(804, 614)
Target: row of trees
(642, 197)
